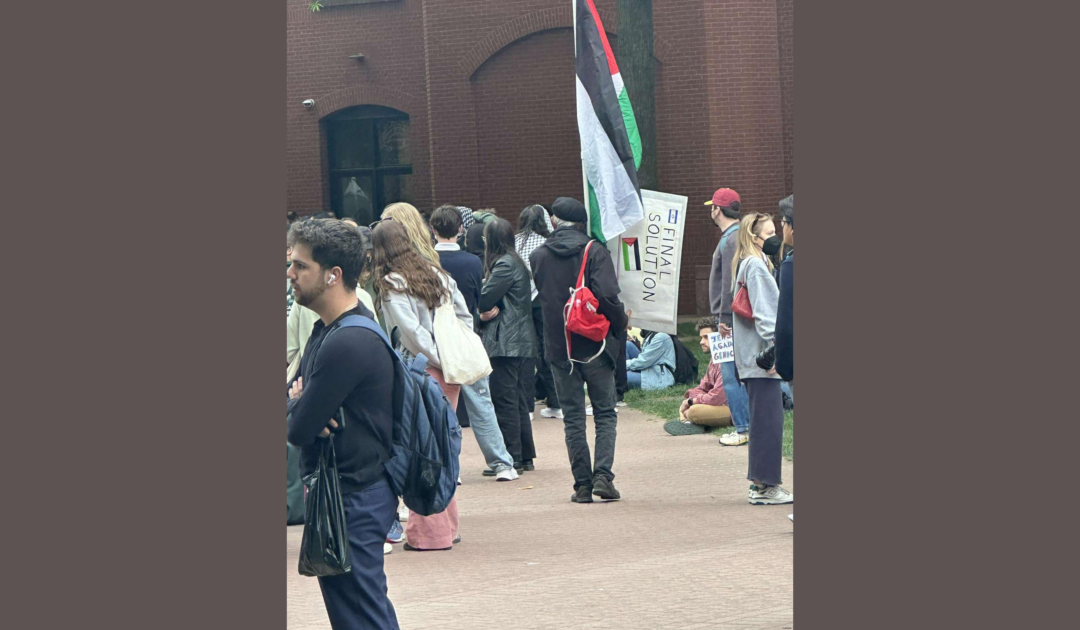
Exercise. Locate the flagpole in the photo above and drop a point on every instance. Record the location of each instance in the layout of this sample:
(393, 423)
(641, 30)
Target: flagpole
(581, 155)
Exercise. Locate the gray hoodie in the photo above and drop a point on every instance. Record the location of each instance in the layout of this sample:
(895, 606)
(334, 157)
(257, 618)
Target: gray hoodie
(753, 336)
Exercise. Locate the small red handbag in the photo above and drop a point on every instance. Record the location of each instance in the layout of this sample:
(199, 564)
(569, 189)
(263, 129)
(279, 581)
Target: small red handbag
(741, 305)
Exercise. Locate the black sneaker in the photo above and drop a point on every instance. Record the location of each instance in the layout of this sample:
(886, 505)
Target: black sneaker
(528, 465)
(582, 495)
(518, 466)
(605, 489)
(488, 472)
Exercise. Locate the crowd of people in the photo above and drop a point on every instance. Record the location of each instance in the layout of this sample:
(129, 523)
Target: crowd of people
(510, 286)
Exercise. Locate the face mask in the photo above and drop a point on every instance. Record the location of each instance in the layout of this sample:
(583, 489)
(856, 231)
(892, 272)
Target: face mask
(772, 245)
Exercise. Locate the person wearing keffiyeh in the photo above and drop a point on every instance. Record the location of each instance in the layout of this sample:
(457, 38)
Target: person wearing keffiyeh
(534, 226)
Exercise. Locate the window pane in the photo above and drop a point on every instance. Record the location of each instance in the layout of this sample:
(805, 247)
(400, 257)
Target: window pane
(396, 188)
(393, 144)
(353, 196)
(351, 144)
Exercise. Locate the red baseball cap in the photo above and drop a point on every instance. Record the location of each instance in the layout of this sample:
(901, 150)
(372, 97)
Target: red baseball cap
(723, 198)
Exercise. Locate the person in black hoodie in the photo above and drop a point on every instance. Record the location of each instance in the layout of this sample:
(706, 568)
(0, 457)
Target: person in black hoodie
(785, 315)
(555, 267)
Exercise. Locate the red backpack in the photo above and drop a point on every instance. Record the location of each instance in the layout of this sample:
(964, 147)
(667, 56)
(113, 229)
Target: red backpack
(580, 315)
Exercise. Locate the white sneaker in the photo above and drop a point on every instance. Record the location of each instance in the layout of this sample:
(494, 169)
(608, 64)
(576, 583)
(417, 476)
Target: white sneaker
(621, 403)
(551, 413)
(506, 475)
(387, 549)
(791, 517)
(459, 481)
(530, 416)
(403, 513)
(734, 439)
(773, 495)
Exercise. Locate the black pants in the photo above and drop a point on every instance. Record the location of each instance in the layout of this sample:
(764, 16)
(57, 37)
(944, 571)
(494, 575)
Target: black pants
(545, 382)
(599, 375)
(357, 600)
(766, 429)
(509, 389)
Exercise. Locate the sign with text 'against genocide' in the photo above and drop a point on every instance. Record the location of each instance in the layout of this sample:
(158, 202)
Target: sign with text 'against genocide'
(648, 258)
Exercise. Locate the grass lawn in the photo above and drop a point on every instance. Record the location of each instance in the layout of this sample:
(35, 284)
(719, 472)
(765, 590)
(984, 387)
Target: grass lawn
(665, 403)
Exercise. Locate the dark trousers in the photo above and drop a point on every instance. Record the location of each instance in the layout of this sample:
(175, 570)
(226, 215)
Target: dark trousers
(766, 429)
(599, 375)
(509, 388)
(357, 600)
(545, 382)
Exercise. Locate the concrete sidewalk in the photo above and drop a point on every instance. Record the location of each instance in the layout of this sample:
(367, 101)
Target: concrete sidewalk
(683, 549)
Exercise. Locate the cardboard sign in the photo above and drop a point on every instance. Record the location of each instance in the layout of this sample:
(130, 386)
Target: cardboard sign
(722, 347)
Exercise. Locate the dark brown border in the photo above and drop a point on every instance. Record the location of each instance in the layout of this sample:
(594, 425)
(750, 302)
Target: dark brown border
(149, 147)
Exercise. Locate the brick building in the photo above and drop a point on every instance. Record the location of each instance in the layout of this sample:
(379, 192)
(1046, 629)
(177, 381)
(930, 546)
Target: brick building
(471, 102)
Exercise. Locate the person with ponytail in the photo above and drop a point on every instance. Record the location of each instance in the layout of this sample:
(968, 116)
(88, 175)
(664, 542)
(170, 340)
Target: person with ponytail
(754, 349)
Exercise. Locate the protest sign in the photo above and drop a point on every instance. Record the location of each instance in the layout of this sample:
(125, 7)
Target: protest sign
(722, 347)
(648, 259)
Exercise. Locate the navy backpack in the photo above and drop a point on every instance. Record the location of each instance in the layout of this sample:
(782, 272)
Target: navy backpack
(423, 467)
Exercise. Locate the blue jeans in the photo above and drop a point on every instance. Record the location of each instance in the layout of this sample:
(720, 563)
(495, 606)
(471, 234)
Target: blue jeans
(737, 400)
(485, 426)
(633, 379)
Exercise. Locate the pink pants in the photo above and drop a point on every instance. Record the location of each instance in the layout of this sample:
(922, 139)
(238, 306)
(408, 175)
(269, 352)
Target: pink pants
(438, 530)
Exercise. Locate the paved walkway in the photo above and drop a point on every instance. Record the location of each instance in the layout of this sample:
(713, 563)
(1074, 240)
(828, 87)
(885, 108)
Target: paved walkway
(683, 549)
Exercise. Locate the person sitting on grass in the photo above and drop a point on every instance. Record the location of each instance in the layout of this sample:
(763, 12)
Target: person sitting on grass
(705, 406)
(654, 367)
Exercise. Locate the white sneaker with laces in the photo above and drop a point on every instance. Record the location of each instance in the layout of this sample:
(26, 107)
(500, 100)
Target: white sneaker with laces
(506, 475)
(734, 439)
(387, 549)
(773, 495)
(403, 513)
(551, 413)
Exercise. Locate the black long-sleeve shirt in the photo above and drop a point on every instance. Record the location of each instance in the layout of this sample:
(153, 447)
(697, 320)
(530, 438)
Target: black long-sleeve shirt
(785, 321)
(349, 369)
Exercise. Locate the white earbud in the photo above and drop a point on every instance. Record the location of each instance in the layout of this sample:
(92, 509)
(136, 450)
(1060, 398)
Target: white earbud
(332, 278)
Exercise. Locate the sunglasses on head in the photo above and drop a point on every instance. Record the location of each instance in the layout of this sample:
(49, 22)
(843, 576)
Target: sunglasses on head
(372, 226)
(757, 219)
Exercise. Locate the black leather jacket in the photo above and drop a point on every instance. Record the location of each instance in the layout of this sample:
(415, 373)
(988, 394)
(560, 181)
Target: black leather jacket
(511, 333)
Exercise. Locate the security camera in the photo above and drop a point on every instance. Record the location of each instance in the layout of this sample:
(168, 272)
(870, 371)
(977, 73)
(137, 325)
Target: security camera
(309, 103)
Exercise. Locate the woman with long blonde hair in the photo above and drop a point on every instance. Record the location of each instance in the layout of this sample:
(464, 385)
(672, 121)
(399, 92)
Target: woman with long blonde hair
(418, 230)
(754, 341)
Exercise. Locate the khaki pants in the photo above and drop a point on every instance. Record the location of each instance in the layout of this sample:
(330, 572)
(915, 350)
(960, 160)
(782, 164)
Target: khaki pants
(708, 415)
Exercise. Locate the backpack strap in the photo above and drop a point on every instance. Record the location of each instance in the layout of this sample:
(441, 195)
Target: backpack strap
(584, 261)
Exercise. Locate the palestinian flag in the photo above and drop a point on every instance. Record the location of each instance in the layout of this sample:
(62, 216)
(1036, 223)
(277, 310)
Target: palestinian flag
(631, 254)
(610, 144)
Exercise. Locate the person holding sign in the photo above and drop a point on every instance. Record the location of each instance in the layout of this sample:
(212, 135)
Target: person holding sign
(725, 209)
(705, 406)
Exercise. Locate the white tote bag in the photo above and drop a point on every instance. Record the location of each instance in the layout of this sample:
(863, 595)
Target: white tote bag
(461, 352)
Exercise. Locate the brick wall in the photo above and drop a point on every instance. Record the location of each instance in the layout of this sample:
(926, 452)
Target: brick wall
(489, 87)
